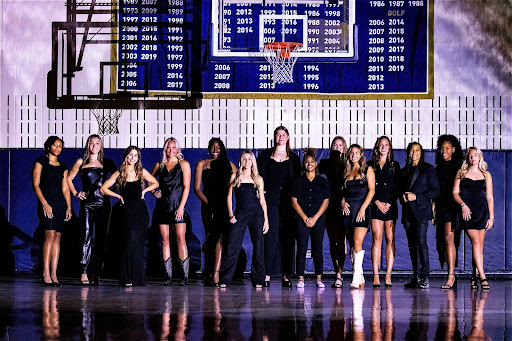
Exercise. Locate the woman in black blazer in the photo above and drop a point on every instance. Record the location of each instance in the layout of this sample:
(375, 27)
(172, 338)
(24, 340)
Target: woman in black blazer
(420, 186)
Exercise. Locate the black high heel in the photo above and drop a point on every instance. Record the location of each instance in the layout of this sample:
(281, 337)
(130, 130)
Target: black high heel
(486, 286)
(45, 283)
(474, 283)
(450, 287)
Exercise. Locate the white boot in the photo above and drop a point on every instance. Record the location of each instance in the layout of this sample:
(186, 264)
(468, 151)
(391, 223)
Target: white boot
(357, 274)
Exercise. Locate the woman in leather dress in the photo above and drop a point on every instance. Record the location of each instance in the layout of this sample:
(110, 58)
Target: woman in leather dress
(94, 169)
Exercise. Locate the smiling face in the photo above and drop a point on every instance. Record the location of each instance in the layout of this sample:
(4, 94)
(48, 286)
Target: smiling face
(354, 155)
(473, 157)
(281, 137)
(171, 151)
(132, 157)
(415, 154)
(447, 150)
(94, 145)
(246, 161)
(310, 164)
(384, 147)
(56, 148)
(215, 150)
(338, 145)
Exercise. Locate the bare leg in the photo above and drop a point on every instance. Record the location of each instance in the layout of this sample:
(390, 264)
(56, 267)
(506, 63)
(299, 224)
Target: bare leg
(180, 230)
(477, 242)
(359, 233)
(218, 257)
(54, 256)
(377, 227)
(449, 237)
(166, 246)
(48, 242)
(389, 230)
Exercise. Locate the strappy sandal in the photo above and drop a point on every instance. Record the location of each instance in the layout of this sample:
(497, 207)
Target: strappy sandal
(450, 287)
(486, 286)
(474, 283)
(338, 283)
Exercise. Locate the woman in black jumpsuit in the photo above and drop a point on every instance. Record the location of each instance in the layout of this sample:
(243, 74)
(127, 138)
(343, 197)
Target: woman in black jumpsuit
(95, 208)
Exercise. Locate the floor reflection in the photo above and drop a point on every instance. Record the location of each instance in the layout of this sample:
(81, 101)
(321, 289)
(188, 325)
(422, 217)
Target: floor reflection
(30, 311)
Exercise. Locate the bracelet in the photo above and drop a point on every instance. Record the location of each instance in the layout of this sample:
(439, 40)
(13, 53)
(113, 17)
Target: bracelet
(492, 219)
(464, 204)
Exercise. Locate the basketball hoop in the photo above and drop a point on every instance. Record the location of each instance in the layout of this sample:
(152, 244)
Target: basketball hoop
(281, 58)
(107, 120)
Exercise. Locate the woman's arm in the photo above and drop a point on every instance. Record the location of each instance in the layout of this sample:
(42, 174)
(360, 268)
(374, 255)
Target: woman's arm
(298, 209)
(312, 221)
(71, 176)
(466, 212)
(370, 175)
(155, 169)
(198, 179)
(185, 167)
(263, 203)
(232, 218)
(67, 196)
(105, 188)
(150, 179)
(36, 180)
(490, 200)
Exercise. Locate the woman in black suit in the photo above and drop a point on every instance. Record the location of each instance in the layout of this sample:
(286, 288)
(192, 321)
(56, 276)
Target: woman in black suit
(420, 186)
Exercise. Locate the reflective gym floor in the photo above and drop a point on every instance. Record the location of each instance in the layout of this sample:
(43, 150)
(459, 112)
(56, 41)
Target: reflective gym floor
(30, 311)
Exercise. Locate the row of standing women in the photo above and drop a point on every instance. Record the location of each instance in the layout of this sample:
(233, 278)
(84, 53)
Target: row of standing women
(277, 203)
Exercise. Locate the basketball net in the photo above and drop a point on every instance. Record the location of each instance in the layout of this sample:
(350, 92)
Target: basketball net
(280, 57)
(107, 120)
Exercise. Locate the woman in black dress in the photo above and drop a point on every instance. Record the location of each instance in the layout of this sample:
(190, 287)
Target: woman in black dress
(333, 168)
(419, 187)
(472, 190)
(251, 212)
(49, 181)
(384, 211)
(358, 191)
(310, 197)
(173, 174)
(95, 209)
(446, 210)
(130, 180)
(213, 174)
(278, 166)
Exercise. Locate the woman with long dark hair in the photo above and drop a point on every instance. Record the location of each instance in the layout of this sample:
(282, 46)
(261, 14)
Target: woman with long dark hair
(213, 174)
(384, 210)
(358, 191)
(419, 187)
(446, 211)
(310, 197)
(173, 173)
(333, 167)
(278, 166)
(94, 170)
(251, 212)
(472, 190)
(130, 179)
(49, 181)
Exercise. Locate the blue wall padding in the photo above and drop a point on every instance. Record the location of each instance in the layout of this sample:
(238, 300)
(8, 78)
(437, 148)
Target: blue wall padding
(16, 170)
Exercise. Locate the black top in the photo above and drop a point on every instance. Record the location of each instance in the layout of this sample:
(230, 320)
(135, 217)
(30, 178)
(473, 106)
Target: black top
(446, 172)
(277, 176)
(247, 200)
(333, 169)
(387, 182)
(215, 180)
(310, 194)
(51, 179)
(422, 181)
(92, 179)
(171, 186)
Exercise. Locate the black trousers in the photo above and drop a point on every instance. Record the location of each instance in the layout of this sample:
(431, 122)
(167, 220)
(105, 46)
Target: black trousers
(95, 221)
(418, 247)
(279, 241)
(253, 220)
(317, 237)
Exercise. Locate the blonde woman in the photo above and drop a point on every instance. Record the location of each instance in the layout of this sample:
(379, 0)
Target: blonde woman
(174, 175)
(130, 180)
(251, 212)
(472, 190)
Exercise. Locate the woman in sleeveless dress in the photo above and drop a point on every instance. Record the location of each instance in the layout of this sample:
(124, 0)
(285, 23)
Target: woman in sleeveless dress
(93, 169)
(446, 211)
(49, 181)
(384, 210)
(472, 190)
(173, 174)
(251, 212)
(278, 166)
(211, 181)
(359, 188)
(130, 179)
(333, 168)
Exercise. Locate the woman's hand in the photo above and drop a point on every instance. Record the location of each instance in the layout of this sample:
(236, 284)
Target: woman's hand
(311, 222)
(157, 194)
(47, 211)
(360, 215)
(489, 224)
(466, 213)
(68, 214)
(345, 207)
(409, 196)
(382, 206)
(180, 212)
(121, 199)
(265, 226)
(81, 195)
(232, 219)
